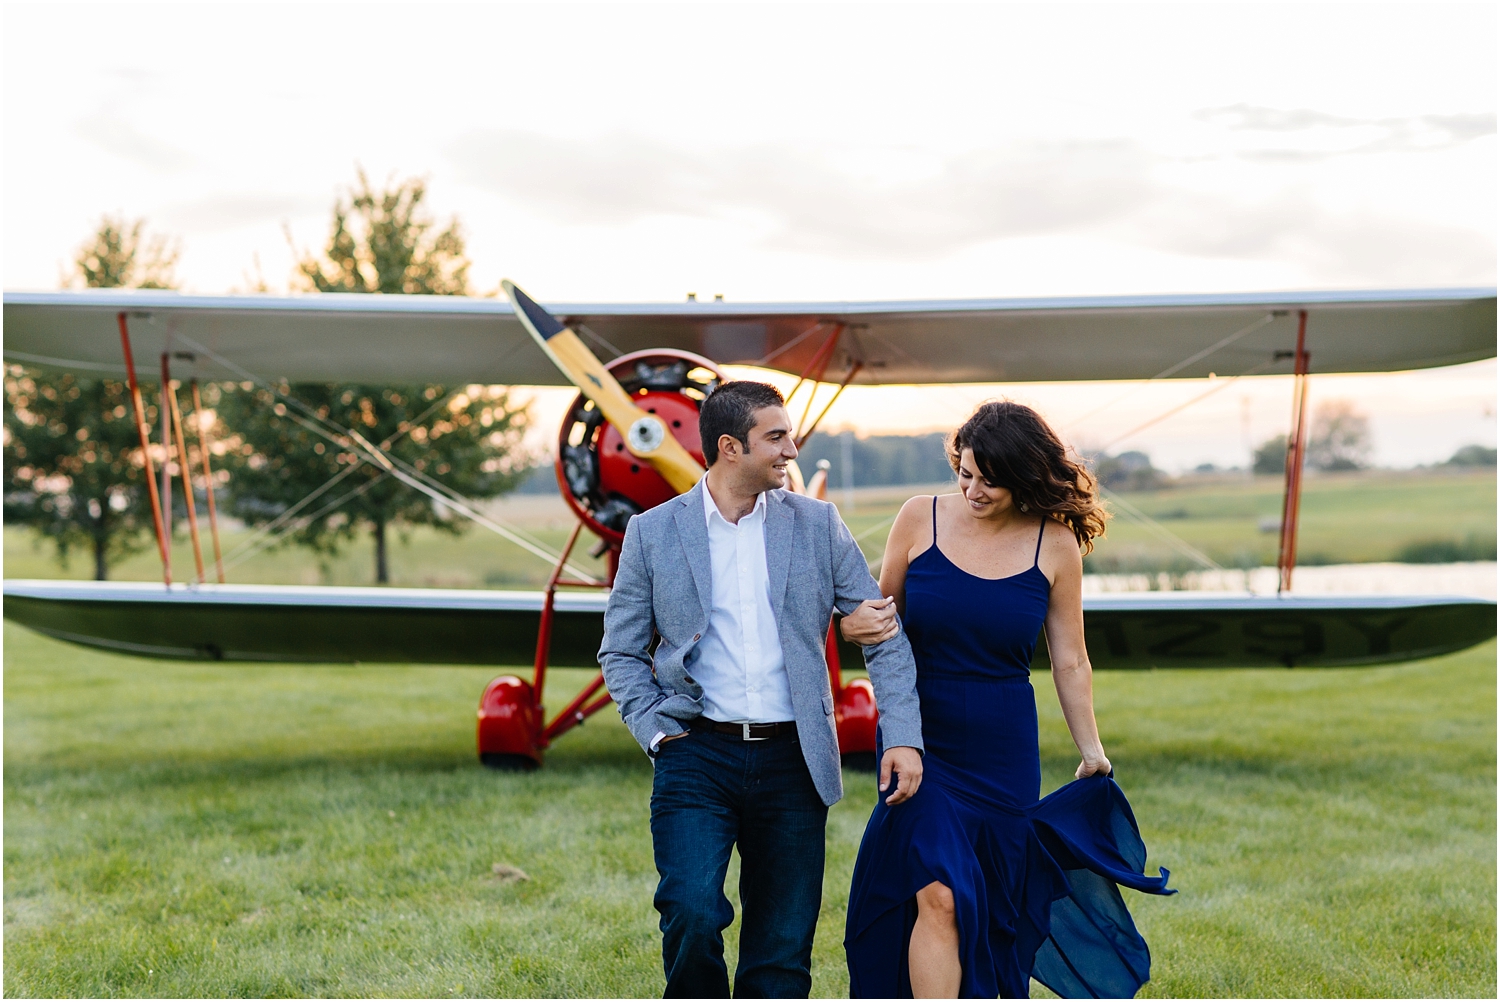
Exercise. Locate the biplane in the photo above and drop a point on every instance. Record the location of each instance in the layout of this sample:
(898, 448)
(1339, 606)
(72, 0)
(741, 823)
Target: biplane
(629, 441)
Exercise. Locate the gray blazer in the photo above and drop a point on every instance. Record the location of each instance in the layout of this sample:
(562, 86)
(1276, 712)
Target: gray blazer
(663, 588)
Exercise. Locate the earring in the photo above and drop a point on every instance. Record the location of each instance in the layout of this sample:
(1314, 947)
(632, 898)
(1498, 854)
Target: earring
(1024, 507)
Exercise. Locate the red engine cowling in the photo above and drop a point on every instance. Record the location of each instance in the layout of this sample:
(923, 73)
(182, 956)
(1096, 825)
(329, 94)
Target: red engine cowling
(602, 482)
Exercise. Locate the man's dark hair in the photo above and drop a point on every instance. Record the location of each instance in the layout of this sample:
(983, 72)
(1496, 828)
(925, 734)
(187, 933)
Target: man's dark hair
(730, 410)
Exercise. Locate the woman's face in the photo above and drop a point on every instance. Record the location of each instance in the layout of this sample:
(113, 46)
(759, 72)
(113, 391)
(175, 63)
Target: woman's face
(985, 500)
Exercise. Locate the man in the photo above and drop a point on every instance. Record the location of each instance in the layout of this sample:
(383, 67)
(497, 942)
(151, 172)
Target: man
(738, 577)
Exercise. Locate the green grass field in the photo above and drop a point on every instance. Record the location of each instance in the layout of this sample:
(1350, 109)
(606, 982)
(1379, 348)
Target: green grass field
(1350, 518)
(225, 830)
(1346, 518)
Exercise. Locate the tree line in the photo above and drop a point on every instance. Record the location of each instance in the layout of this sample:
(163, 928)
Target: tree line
(72, 464)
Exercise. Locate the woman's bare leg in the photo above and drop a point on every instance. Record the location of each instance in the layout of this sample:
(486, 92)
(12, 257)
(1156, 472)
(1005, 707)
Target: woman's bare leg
(933, 956)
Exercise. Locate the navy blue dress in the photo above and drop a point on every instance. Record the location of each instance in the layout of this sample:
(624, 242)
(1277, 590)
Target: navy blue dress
(1034, 881)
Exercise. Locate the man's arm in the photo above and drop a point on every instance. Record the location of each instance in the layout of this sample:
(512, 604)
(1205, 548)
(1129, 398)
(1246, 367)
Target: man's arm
(893, 672)
(625, 655)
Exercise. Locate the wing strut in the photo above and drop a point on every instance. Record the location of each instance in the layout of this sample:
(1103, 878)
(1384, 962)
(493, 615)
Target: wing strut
(166, 458)
(1296, 456)
(186, 470)
(848, 377)
(208, 480)
(140, 427)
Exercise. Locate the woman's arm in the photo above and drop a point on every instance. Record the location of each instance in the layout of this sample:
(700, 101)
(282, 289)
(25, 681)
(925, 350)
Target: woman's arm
(1072, 675)
(904, 542)
(875, 621)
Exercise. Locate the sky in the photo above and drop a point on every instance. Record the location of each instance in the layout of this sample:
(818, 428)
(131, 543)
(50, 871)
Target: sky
(808, 152)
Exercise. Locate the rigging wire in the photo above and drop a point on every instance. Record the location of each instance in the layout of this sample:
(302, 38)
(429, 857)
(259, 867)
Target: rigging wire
(267, 543)
(871, 530)
(1172, 539)
(792, 343)
(598, 339)
(1126, 508)
(1218, 385)
(1172, 370)
(406, 426)
(425, 484)
(1129, 510)
(342, 436)
(876, 527)
(398, 468)
(273, 525)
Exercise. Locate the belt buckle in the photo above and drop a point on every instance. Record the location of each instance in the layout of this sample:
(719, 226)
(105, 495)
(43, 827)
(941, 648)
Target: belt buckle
(746, 732)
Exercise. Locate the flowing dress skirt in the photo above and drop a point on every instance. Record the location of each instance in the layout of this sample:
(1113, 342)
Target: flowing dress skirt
(1035, 882)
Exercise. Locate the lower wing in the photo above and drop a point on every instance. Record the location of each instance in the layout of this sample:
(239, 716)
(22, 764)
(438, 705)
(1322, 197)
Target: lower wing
(435, 626)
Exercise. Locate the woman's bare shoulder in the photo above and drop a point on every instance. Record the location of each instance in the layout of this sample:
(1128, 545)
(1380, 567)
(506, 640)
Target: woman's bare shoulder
(921, 505)
(914, 520)
(1059, 545)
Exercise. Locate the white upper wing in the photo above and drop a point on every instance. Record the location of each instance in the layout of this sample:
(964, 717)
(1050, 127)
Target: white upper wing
(453, 339)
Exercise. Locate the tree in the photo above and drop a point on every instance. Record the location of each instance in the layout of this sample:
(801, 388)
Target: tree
(1129, 471)
(1472, 455)
(73, 469)
(879, 459)
(72, 465)
(380, 243)
(119, 254)
(1340, 438)
(1270, 456)
(469, 439)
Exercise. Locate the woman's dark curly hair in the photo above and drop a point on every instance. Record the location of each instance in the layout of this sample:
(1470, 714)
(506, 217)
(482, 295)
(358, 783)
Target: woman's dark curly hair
(1015, 449)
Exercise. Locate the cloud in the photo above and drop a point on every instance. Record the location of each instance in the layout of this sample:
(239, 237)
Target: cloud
(110, 132)
(1366, 248)
(1360, 248)
(217, 213)
(881, 204)
(1338, 135)
(804, 198)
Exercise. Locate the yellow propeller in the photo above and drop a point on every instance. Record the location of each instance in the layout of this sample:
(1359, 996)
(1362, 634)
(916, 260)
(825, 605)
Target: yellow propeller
(645, 434)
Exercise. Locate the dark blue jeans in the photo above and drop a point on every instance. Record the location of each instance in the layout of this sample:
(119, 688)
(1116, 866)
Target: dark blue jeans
(712, 792)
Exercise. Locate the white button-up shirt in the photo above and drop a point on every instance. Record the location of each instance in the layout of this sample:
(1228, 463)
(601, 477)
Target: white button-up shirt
(739, 662)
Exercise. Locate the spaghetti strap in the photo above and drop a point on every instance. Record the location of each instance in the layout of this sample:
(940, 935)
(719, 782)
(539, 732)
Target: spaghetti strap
(934, 520)
(1037, 559)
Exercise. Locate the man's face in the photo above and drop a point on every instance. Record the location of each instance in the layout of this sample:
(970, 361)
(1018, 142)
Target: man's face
(763, 466)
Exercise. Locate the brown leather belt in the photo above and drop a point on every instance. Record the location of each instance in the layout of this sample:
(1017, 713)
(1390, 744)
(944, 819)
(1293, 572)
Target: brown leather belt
(746, 732)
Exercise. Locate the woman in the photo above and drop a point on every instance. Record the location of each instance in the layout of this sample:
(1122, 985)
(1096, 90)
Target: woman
(973, 886)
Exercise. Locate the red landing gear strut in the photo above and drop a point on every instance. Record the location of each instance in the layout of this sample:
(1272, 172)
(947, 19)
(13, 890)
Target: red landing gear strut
(512, 735)
(511, 731)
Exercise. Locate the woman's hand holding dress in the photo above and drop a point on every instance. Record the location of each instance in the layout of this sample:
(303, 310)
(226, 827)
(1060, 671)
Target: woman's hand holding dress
(1094, 765)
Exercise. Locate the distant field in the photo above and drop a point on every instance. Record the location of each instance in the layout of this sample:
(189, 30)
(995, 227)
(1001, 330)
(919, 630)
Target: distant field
(1346, 518)
(185, 829)
(421, 558)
